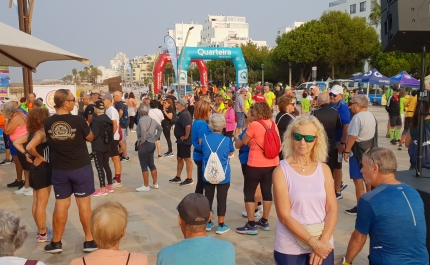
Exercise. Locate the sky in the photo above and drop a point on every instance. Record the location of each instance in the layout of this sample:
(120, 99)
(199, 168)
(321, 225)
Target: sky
(98, 29)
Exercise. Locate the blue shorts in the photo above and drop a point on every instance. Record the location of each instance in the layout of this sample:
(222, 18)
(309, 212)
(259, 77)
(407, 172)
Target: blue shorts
(354, 169)
(12, 148)
(79, 182)
(240, 120)
(302, 259)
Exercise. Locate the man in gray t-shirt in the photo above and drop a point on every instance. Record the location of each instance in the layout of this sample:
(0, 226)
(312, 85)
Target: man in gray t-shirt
(361, 132)
(239, 108)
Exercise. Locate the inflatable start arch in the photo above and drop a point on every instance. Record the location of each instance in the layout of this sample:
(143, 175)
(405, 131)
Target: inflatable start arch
(161, 64)
(212, 53)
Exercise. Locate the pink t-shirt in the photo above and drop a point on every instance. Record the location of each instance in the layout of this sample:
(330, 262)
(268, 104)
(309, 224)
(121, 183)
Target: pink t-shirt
(308, 201)
(230, 120)
(256, 156)
(112, 257)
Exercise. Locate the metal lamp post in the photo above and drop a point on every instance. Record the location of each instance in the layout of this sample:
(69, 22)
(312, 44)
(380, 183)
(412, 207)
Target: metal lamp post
(262, 74)
(289, 74)
(180, 65)
(223, 76)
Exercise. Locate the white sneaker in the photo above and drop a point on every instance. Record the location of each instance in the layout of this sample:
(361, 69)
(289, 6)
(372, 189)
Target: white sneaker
(117, 185)
(143, 188)
(260, 208)
(23, 190)
(256, 215)
(154, 186)
(29, 193)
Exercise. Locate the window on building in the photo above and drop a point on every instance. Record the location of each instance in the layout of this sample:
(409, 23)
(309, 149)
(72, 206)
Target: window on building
(362, 6)
(353, 9)
(179, 38)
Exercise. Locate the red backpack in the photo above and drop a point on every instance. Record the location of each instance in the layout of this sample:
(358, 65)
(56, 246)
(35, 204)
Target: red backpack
(272, 142)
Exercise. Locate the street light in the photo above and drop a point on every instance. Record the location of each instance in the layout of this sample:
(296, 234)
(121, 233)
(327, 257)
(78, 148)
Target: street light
(289, 75)
(262, 74)
(153, 68)
(180, 65)
(223, 76)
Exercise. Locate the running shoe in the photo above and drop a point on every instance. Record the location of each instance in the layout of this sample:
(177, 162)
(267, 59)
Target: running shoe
(339, 196)
(29, 192)
(352, 211)
(117, 184)
(143, 188)
(100, 192)
(15, 184)
(400, 147)
(263, 225)
(175, 180)
(90, 246)
(5, 162)
(160, 157)
(110, 188)
(209, 226)
(46, 238)
(387, 136)
(343, 186)
(23, 190)
(125, 159)
(54, 247)
(168, 154)
(186, 182)
(247, 229)
(154, 186)
(222, 229)
(257, 214)
(393, 142)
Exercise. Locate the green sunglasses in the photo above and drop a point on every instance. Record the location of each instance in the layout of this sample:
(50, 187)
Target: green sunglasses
(308, 138)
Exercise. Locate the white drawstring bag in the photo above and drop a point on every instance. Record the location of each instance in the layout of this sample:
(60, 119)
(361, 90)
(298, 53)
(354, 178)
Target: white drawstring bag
(214, 173)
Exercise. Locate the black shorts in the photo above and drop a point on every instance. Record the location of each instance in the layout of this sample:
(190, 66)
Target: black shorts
(332, 161)
(79, 182)
(23, 160)
(114, 151)
(395, 121)
(40, 176)
(184, 151)
(6, 141)
(408, 122)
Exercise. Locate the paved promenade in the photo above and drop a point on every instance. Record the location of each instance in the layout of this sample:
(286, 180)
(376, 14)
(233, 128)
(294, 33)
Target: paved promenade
(153, 215)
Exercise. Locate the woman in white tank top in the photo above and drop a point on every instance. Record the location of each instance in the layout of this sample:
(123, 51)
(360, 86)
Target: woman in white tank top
(304, 195)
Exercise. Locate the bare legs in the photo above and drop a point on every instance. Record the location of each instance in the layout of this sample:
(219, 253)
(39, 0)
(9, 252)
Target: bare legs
(145, 176)
(189, 166)
(360, 187)
(40, 201)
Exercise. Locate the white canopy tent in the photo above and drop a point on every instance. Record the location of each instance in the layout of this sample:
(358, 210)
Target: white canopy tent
(20, 49)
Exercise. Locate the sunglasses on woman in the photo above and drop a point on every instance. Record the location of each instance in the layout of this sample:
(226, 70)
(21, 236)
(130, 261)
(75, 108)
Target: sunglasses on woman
(308, 138)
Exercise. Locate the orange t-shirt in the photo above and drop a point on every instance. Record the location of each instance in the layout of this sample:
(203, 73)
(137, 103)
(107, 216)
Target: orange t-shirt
(256, 156)
(204, 90)
(30, 105)
(1, 121)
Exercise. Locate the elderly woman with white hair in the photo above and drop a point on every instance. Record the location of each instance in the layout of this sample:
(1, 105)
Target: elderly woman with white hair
(12, 237)
(217, 143)
(148, 132)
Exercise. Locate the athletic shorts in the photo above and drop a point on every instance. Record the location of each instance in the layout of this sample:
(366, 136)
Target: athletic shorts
(114, 149)
(395, 121)
(124, 134)
(13, 151)
(332, 161)
(240, 120)
(184, 151)
(79, 182)
(6, 141)
(354, 169)
(23, 160)
(40, 176)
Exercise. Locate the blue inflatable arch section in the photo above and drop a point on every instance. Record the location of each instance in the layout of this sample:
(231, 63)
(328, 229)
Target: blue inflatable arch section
(212, 53)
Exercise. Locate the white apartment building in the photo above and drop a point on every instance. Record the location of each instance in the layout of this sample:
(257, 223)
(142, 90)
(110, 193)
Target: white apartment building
(360, 8)
(226, 31)
(179, 33)
(283, 30)
(142, 67)
(118, 61)
(106, 74)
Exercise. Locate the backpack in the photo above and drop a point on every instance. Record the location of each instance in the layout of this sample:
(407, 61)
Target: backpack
(387, 107)
(292, 117)
(124, 119)
(214, 173)
(107, 134)
(272, 142)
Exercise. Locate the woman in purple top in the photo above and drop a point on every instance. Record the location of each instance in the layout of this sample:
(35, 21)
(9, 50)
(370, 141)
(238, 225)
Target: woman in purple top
(304, 195)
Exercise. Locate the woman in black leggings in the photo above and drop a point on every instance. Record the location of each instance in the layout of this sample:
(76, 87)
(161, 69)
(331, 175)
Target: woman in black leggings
(99, 126)
(169, 117)
(148, 131)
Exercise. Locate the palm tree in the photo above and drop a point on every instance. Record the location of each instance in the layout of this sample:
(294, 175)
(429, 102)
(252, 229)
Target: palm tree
(75, 74)
(375, 14)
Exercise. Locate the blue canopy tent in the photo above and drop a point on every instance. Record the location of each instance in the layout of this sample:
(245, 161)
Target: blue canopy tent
(405, 80)
(372, 77)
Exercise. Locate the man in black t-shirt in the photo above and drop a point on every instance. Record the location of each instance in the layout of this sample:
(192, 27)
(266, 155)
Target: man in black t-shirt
(118, 103)
(182, 133)
(89, 110)
(72, 172)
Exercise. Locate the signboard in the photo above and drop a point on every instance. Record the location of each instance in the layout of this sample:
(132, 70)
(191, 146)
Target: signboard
(47, 94)
(4, 82)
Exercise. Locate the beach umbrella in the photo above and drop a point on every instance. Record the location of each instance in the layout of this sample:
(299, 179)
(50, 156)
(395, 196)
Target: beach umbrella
(405, 80)
(20, 49)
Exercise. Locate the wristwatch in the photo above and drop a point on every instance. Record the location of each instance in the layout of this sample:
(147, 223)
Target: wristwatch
(344, 261)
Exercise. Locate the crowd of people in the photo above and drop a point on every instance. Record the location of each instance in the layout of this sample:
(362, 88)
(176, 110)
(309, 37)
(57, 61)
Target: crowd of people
(291, 157)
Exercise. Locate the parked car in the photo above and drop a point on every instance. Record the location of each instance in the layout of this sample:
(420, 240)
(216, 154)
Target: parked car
(307, 86)
(187, 87)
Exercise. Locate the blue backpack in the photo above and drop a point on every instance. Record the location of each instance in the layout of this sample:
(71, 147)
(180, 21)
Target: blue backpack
(124, 119)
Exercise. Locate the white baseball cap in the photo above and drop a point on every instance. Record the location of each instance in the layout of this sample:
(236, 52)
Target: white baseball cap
(11, 98)
(336, 89)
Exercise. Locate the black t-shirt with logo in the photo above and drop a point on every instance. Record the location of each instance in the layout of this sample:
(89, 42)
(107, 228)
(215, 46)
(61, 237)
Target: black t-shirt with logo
(66, 138)
(89, 110)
